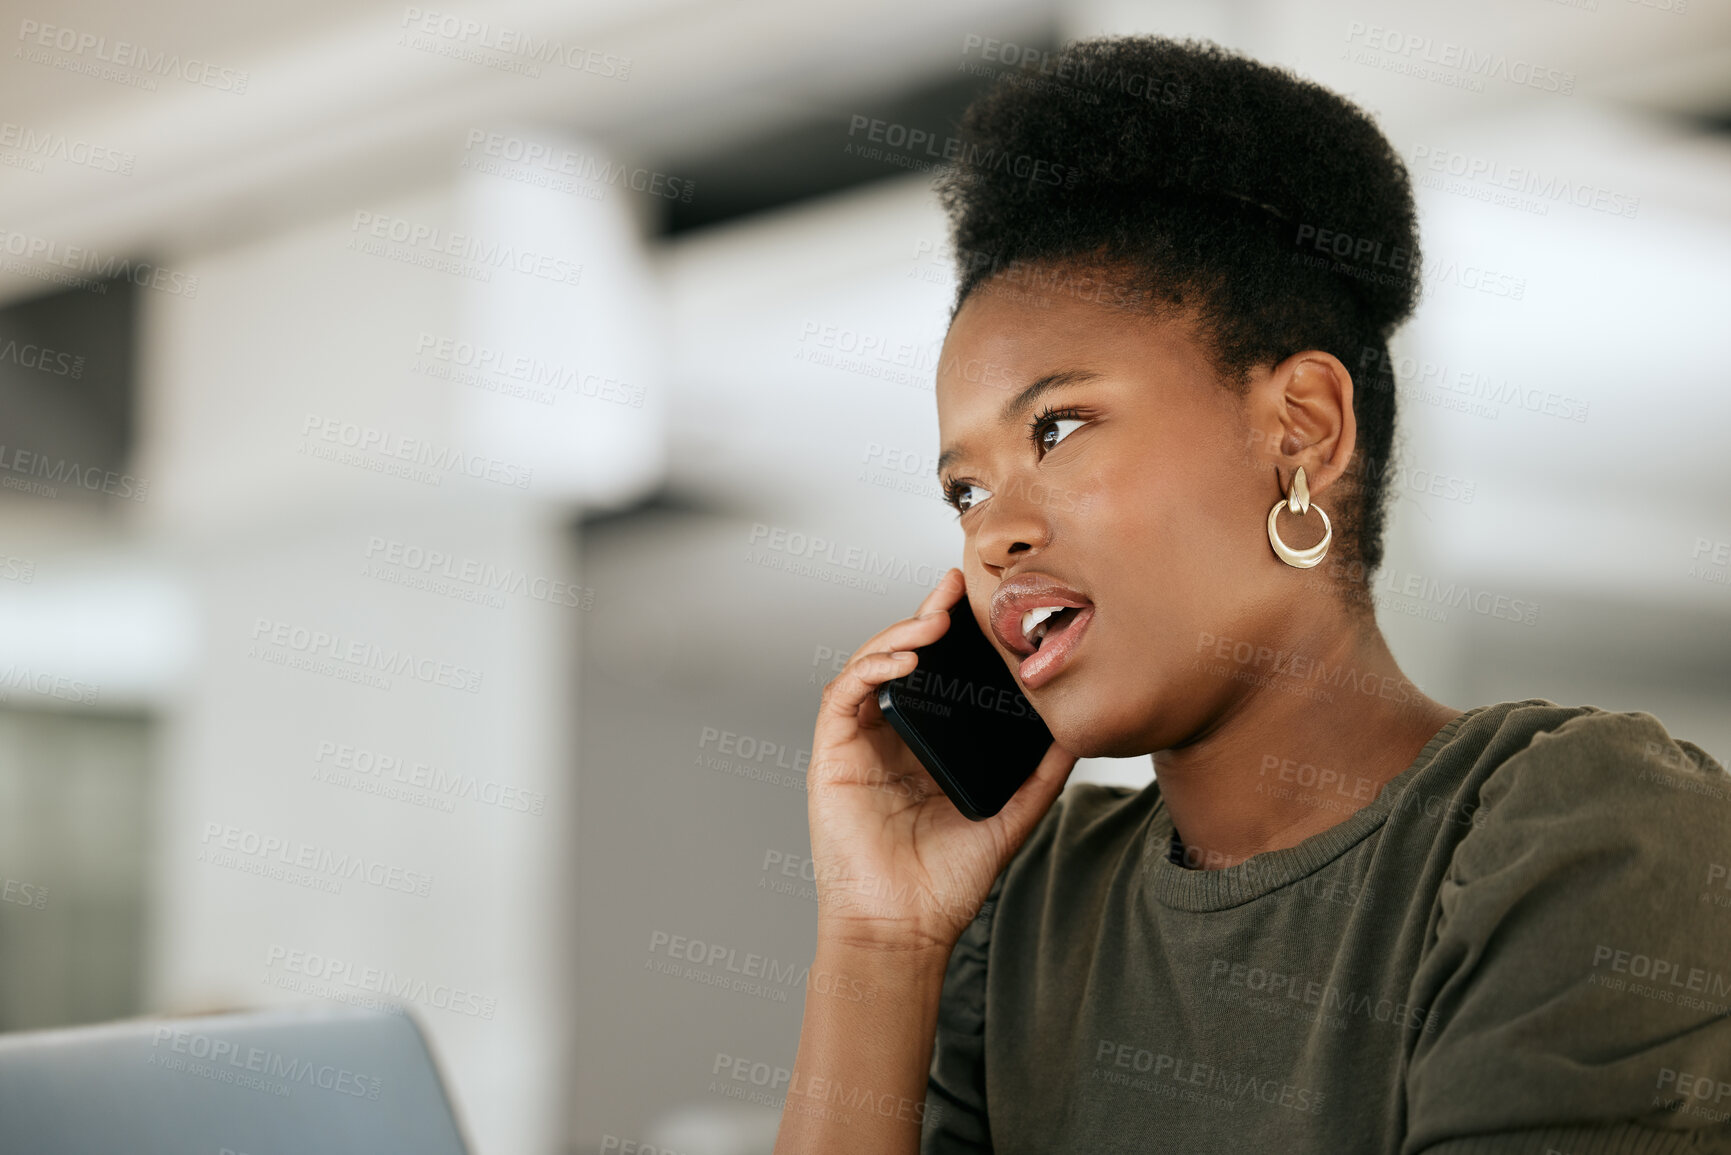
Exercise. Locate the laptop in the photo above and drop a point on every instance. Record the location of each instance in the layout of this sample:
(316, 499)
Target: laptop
(336, 1080)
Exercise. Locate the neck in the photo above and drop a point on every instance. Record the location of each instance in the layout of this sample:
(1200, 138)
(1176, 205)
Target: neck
(1332, 720)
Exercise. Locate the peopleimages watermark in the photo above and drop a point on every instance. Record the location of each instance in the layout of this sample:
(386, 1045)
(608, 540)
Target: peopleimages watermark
(903, 470)
(771, 1085)
(1718, 879)
(876, 355)
(45, 473)
(496, 370)
(1355, 250)
(1402, 477)
(1445, 62)
(792, 867)
(1030, 282)
(120, 61)
(1710, 561)
(342, 980)
(1693, 1085)
(502, 154)
(1660, 979)
(1481, 178)
(908, 471)
(754, 974)
(1387, 263)
(59, 686)
(927, 150)
(1295, 670)
(502, 46)
(29, 355)
(33, 145)
(752, 753)
(462, 254)
(1427, 596)
(374, 771)
(413, 458)
(1000, 61)
(23, 893)
(469, 579)
(254, 852)
(1026, 66)
(1321, 781)
(612, 1144)
(764, 976)
(1263, 988)
(836, 658)
(1693, 772)
(1473, 277)
(930, 692)
(891, 893)
(1462, 388)
(862, 560)
(242, 1061)
(324, 651)
(779, 764)
(89, 268)
(1181, 1077)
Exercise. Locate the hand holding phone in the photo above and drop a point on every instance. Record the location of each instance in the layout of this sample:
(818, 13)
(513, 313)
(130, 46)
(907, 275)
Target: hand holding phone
(963, 715)
(898, 865)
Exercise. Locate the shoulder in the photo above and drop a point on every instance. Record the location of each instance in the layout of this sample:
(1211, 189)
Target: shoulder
(1606, 777)
(1577, 943)
(1596, 820)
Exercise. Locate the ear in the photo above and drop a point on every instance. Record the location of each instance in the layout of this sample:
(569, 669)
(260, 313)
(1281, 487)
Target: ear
(1301, 414)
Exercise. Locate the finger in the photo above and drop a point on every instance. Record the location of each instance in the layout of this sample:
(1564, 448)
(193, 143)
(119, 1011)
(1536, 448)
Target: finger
(858, 682)
(1035, 796)
(945, 594)
(907, 634)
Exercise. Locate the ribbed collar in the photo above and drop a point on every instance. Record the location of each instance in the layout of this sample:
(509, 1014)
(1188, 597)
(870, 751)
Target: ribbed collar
(1204, 890)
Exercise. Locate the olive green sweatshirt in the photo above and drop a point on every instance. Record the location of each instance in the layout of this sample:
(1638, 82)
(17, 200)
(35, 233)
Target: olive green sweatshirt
(1521, 943)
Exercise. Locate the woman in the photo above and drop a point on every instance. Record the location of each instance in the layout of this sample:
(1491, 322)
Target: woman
(1345, 917)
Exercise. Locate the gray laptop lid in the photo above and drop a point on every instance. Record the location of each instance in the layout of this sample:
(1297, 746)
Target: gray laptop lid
(278, 1082)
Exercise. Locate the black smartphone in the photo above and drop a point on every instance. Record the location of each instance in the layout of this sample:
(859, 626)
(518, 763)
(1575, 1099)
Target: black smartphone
(964, 717)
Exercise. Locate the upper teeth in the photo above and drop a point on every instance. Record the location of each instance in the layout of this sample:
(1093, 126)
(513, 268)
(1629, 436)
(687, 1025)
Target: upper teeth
(1033, 622)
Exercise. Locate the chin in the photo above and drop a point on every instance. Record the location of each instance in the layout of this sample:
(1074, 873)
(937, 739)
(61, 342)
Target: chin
(1089, 727)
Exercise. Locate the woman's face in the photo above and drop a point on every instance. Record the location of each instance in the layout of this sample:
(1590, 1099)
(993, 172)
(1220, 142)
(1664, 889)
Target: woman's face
(1137, 482)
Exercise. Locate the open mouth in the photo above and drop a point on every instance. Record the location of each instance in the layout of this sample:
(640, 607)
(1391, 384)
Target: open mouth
(1054, 632)
(1039, 620)
(1042, 621)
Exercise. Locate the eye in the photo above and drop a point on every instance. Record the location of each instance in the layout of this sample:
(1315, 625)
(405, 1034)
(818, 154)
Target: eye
(1053, 426)
(964, 495)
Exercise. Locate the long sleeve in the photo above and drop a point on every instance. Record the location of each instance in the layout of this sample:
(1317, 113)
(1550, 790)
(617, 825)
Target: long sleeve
(1580, 971)
(955, 1121)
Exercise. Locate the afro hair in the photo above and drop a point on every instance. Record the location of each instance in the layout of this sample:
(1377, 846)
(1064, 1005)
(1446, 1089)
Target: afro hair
(1269, 210)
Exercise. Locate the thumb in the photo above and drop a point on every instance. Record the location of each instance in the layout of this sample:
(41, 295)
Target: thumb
(1035, 796)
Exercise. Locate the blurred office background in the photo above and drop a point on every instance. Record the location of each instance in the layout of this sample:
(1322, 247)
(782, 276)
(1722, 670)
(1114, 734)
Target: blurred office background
(414, 446)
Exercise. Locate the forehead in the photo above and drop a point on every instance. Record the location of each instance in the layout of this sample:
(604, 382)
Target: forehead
(1002, 340)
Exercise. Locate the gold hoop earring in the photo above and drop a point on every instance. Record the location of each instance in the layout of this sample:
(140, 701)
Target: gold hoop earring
(1298, 501)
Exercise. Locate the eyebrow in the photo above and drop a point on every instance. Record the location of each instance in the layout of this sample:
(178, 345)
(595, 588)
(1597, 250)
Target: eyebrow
(1023, 401)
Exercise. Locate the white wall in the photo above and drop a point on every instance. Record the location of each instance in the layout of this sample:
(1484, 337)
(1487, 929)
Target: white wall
(287, 333)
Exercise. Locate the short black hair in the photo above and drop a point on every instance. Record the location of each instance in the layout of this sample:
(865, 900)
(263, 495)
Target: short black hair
(1270, 208)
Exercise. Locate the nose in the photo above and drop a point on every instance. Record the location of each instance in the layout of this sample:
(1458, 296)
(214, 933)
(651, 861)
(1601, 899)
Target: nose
(1011, 528)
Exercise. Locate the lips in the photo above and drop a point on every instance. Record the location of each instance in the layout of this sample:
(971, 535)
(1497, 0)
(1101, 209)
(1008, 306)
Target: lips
(1022, 600)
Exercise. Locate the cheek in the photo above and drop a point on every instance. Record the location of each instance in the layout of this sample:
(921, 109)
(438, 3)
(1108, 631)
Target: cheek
(1171, 518)
(1175, 551)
